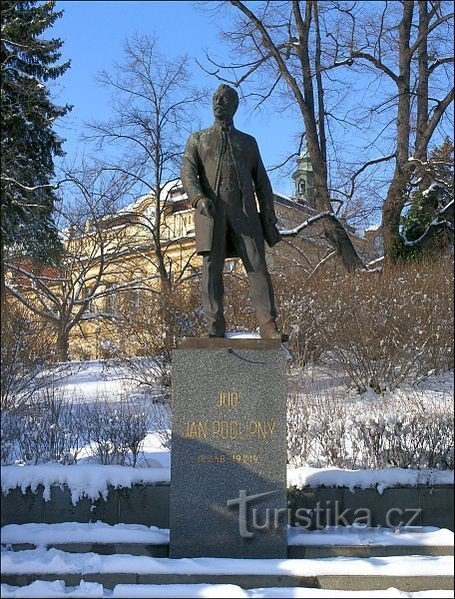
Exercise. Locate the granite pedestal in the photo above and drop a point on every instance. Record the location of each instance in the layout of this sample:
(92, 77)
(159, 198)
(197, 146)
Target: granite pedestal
(228, 469)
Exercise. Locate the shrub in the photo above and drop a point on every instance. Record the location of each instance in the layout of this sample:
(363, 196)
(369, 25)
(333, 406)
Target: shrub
(25, 348)
(414, 432)
(9, 435)
(116, 429)
(48, 428)
(328, 428)
(381, 328)
(148, 326)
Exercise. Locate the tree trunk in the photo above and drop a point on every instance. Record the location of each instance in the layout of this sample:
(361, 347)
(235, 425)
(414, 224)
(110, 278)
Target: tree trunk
(391, 216)
(334, 231)
(63, 345)
(396, 195)
(2, 283)
(316, 142)
(422, 86)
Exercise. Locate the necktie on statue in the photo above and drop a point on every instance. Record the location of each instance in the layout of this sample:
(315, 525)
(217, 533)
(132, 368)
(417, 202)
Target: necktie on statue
(231, 160)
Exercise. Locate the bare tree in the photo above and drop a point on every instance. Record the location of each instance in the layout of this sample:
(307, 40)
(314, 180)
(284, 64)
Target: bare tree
(153, 108)
(63, 295)
(25, 348)
(408, 54)
(277, 40)
(316, 50)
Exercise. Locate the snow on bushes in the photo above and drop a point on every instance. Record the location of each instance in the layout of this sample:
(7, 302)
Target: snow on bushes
(407, 428)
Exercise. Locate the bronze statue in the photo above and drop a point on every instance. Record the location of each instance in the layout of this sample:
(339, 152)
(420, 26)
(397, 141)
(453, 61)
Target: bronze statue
(221, 170)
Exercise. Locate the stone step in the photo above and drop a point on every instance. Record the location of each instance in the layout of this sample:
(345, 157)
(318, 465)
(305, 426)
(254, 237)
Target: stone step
(136, 539)
(323, 551)
(294, 552)
(331, 584)
(406, 573)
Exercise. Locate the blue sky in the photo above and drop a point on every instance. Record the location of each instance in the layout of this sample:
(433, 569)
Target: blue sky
(93, 33)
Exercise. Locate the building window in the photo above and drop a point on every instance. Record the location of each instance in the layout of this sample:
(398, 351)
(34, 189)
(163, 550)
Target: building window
(109, 300)
(302, 186)
(135, 298)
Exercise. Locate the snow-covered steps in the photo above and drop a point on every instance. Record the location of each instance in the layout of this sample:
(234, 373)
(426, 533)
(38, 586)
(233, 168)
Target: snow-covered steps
(362, 541)
(84, 537)
(130, 560)
(57, 588)
(406, 573)
(137, 539)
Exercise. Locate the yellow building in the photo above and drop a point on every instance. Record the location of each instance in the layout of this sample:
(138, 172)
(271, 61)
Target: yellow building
(134, 273)
(127, 275)
(149, 253)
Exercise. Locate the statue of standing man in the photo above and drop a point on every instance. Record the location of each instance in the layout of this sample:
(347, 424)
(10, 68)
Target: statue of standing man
(221, 172)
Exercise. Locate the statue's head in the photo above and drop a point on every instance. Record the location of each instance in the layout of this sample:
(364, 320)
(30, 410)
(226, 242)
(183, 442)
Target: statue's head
(225, 102)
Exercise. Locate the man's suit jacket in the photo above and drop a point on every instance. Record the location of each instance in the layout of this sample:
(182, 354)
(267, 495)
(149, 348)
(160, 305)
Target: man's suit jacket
(199, 177)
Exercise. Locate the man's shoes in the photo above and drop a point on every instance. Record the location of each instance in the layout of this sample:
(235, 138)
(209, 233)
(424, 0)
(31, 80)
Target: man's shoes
(212, 335)
(269, 330)
(215, 331)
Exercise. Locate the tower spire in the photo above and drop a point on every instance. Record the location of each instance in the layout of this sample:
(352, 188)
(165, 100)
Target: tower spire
(304, 179)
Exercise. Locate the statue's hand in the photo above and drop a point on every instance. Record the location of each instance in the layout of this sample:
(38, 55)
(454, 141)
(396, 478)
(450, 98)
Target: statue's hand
(206, 207)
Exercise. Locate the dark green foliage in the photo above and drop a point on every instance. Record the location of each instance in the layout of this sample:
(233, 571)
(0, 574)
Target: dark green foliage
(415, 223)
(28, 142)
(420, 215)
(428, 207)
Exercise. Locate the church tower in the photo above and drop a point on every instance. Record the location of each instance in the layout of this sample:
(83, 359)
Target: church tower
(304, 180)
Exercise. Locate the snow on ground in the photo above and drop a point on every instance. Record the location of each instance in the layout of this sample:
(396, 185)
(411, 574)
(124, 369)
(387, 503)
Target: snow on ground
(365, 535)
(91, 379)
(55, 561)
(154, 454)
(41, 588)
(87, 479)
(94, 379)
(44, 535)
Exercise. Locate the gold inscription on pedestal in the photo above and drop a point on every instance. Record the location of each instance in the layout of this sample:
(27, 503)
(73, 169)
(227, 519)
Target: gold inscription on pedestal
(237, 458)
(195, 429)
(227, 429)
(232, 430)
(228, 399)
(262, 429)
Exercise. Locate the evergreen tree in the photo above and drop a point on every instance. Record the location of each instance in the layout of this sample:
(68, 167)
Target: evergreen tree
(427, 203)
(28, 141)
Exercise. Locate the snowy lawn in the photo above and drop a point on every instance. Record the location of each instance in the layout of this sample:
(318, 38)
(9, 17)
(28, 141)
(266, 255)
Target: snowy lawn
(106, 417)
